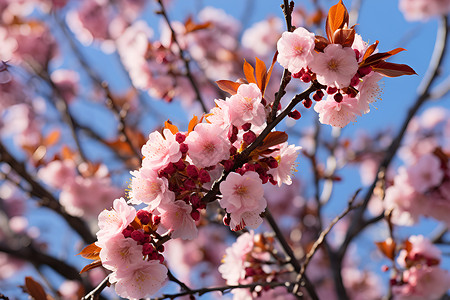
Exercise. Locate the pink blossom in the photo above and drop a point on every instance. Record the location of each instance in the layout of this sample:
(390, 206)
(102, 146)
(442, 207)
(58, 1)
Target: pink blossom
(88, 196)
(147, 187)
(295, 49)
(421, 248)
(208, 145)
(337, 114)
(160, 150)
(360, 46)
(336, 66)
(245, 106)
(403, 199)
(176, 217)
(220, 115)
(369, 91)
(114, 221)
(233, 266)
(119, 252)
(433, 116)
(58, 173)
(262, 36)
(140, 280)
(421, 10)
(90, 21)
(425, 173)
(242, 197)
(67, 83)
(286, 158)
(422, 283)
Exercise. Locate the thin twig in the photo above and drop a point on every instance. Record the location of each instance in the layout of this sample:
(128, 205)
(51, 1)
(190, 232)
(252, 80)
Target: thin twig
(46, 198)
(183, 286)
(224, 289)
(95, 293)
(323, 235)
(183, 57)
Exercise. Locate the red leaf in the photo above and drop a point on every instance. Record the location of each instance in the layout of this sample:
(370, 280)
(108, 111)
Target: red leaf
(248, 72)
(52, 138)
(320, 43)
(336, 19)
(260, 71)
(392, 70)
(344, 36)
(192, 123)
(171, 127)
(380, 56)
(93, 265)
(91, 251)
(387, 247)
(190, 26)
(370, 50)
(272, 139)
(34, 289)
(269, 73)
(228, 86)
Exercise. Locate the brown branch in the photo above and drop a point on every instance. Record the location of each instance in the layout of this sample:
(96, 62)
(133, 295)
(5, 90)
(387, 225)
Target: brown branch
(46, 198)
(223, 289)
(321, 239)
(95, 293)
(183, 57)
(110, 103)
(177, 281)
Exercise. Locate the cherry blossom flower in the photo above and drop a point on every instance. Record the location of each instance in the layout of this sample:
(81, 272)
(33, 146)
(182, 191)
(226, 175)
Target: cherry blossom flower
(176, 217)
(245, 106)
(262, 36)
(112, 222)
(58, 173)
(421, 248)
(295, 49)
(421, 10)
(160, 150)
(422, 283)
(147, 187)
(233, 266)
(139, 280)
(336, 66)
(119, 252)
(208, 145)
(369, 91)
(286, 157)
(242, 197)
(337, 114)
(426, 173)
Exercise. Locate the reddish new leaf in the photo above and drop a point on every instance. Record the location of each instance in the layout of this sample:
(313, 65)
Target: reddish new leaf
(344, 36)
(34, 289)
(192, 123)
(370, 50)
(91, 251)
(171, 127)
(93, 265)
(381, 56)
(336, 19)
(228, 86)
(52, 138)
(387, 247)
(320, 43)
(272, 139)
(269, 73)
(392, 70)
(248, 72)
(260, 71)
(190, 26)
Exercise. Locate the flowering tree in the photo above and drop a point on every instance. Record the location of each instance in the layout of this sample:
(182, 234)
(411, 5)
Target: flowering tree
(212, 206)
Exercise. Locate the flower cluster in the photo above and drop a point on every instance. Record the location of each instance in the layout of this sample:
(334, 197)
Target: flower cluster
(347, 68)
(422, 186)
(421, 278)
(177, 171)
(250, 259)
(420, 10)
